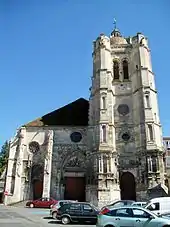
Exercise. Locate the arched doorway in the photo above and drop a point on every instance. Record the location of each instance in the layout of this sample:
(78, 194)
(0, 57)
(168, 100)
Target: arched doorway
(37, 174)
(128, 186)
(74, 180)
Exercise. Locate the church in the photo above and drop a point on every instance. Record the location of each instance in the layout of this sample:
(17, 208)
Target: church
(105, 148)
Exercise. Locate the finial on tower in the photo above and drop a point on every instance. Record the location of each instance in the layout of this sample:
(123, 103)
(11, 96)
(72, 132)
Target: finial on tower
(114, 22)
(115, 32)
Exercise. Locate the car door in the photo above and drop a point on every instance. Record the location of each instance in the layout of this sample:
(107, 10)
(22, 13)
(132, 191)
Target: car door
(47, 203)
(75, 212)
(142, 218)
(89, 214)
(42, 203)
(122, 217)
(39, 203)
(35, 202)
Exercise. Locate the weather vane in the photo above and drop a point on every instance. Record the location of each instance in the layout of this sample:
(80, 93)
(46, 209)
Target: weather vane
(114, 22)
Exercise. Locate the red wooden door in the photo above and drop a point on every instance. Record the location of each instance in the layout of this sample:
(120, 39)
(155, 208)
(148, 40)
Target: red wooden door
(75, 188)
(37, 189)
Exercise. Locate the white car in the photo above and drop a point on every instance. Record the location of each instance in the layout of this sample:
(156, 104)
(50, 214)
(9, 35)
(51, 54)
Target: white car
(158, 205)
(130, 216)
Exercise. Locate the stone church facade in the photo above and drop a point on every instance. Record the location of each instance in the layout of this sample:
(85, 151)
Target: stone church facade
(107, 148)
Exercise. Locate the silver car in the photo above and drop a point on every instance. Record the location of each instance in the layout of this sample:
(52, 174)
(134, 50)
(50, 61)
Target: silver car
(131, 217)
(55, 207)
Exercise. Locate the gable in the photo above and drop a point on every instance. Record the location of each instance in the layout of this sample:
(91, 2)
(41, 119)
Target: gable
(73, 114)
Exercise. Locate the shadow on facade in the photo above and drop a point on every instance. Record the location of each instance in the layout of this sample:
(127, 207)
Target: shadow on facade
(37, 174)
(128, 186)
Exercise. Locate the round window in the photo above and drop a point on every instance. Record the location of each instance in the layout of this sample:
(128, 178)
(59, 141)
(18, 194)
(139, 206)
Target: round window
(34, 147)
(125, 136)
(76, 137)
(123, 109)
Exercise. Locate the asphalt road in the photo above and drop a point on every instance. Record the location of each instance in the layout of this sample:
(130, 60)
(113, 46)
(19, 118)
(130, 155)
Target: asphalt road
(27, 217)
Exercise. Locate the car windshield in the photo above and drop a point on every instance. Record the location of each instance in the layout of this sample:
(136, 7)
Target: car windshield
(146, 204)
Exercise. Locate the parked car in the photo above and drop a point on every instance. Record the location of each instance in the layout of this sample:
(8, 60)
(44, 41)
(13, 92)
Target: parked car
(41, 203)
(159, 205)
(119, 203)
(140, 204)
(55, 207)
(77, 212)
(130, 216)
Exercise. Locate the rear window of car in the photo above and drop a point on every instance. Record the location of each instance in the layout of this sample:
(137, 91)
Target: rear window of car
(64, 207)
(62, 203)
(118, 204)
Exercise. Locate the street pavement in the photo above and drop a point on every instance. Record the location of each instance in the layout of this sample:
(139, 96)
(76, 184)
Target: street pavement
(27, 217)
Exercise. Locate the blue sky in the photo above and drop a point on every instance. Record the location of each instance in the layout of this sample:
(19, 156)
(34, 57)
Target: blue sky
(46, 52)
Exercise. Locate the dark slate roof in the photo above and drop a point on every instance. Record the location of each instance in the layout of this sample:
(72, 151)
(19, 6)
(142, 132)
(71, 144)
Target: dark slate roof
(73, 114)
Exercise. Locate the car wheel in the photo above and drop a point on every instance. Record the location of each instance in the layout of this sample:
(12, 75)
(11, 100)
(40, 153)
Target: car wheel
(109, 226)
(31, 205)
(65, 220)
(54, 214)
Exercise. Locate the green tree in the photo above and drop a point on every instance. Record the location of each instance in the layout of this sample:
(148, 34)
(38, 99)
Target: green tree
(4, 156)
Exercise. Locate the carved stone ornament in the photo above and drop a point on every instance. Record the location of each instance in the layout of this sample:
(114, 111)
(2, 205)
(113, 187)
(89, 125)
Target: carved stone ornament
(122, 87)
(74, 162)
(126, 134)
(64, 150)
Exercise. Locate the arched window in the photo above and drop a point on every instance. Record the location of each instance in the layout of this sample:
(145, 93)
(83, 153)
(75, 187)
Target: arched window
(100, 160)
(103, 102)
(150, 131)
(125, 70)
(116, 69)
(147, 101)
(104, 133)
(109, 164)
(104, 164)
(149, 164)
(154, 164)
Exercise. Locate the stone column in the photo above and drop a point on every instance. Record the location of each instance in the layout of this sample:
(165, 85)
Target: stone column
(17, 194)
(20, 161)
(8, 179)
(48, 166)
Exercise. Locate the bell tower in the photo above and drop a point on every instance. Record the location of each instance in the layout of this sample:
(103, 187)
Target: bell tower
(124, 126)
(146, 115)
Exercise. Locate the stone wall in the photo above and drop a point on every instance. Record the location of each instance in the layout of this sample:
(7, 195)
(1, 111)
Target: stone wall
(21, 159)
(67, 155)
